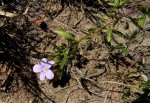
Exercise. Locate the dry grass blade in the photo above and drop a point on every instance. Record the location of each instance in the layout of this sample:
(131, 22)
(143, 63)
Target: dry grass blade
(4, 73)
(9, 14)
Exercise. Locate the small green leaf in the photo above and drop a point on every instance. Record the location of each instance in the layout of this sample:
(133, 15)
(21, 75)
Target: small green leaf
(109, 34)
(111, 15)
(118, 3)
(142, 9)
(130, 75)
(120, 46)
(99, 18)
(84, 41)
(93, 29)
(123, 2)
(141, 21)
(64, 60)
(64, 34)
(134, 21)
(114, 4)
(73, 50)
(120, 34)
(146, 85)
(125, 51)
(133, 35)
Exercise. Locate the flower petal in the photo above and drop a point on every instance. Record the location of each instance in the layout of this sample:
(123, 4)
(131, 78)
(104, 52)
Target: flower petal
(42, 76)
(49, 74)
(45, 64)
(37, 68)
(43, 61)
(51, 62)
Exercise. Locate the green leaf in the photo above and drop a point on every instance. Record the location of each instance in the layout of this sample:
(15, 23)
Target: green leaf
(120, 46)
(113, 15)
(120, 34)
(141, 20)
(114, 4)
(98, 17)
(109, 34)
(64, 34)
(74, 50)
(133, 35)
(84, 41)
(118, 3)
(142, 9)
(65, 57)
(52, 54)
(125, 51)
(134, 21)
(93, 29)
(130, 75)
(146, 85)
(123, 2)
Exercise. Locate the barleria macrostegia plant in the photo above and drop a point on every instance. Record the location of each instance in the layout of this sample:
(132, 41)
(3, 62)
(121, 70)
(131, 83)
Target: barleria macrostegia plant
(67, 51)
(61, 57)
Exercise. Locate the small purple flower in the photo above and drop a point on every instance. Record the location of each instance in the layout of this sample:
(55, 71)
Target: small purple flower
(43, 69)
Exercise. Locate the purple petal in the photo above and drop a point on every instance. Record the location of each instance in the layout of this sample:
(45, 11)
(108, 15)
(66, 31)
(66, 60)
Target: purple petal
(42, 76)
(43, 61)
(45, 64)
(51, 62)
(49, 74)
(37, 68)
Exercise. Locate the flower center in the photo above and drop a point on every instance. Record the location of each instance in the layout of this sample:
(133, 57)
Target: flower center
(45, 68)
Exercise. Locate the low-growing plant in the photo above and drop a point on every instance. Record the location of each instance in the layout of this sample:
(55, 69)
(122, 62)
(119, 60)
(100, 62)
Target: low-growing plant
(63, 55)
(66, 52)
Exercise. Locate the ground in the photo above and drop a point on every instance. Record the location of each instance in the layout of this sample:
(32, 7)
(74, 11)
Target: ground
(93, 77)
